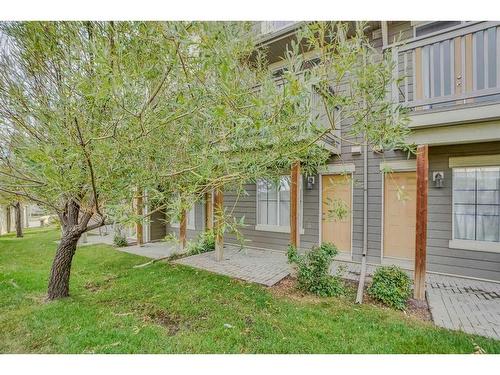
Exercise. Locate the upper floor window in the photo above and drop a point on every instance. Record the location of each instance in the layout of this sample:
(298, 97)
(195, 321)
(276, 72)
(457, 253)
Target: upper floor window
(476, 204)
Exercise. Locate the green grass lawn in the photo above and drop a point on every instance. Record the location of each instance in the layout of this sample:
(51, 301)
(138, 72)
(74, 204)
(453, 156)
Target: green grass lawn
(166, 308)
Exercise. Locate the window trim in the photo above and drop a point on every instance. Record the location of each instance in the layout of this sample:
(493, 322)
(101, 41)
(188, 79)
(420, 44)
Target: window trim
(474, 245)
(461, 244)
(279, 228)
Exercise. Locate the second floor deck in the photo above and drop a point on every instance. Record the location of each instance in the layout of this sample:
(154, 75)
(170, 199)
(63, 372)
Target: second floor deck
(450, 76)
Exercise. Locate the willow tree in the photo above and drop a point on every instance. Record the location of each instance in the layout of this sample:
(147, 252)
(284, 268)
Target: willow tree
(70, 116)
(91, 112)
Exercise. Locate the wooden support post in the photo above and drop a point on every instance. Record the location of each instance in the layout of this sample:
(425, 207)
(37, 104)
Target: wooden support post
(139, 212)
(182, 230)
(8, 221)
(421, 224)
(209, 212)
(219, 235)
(27, 215)
(294, 205)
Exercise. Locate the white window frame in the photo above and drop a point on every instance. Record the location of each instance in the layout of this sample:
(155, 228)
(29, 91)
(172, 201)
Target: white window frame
(279, 228)
(474, 245)
(191, 226)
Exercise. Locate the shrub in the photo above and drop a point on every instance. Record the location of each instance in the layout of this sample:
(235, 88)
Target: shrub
(120, 240)
(312, 270)
(204, 242)
(391, 286)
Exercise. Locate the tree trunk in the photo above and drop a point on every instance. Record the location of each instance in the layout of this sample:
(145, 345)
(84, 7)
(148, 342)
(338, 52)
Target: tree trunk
(19, 221)
(61, 266)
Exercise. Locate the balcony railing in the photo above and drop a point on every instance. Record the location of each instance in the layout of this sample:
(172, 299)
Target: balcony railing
(458, 66)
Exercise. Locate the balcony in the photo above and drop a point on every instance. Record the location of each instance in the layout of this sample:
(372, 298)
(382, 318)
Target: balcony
(271, 27)
(450, 76)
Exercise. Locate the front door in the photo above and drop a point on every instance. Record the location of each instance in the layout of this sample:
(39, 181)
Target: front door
(336, 193)
(400, 189)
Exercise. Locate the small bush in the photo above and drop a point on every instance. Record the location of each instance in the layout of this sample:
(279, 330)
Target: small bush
(120, 240)
(204, 242)
(391, 286)
(312, 270)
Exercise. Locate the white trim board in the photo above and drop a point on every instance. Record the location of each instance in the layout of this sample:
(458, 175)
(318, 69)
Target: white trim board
(275, 228)
(474, 161)
(347, 168)
(399, 166)
(457, 134)
(492, 247)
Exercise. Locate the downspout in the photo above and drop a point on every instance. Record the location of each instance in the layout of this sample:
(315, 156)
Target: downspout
(361, 285)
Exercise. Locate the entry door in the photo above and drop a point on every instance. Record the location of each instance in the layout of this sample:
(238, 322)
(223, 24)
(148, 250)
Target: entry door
(336, 188)
(400, 192)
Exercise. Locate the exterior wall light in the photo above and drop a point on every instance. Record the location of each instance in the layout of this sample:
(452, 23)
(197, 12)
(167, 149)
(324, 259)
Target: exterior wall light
(310, 182)
(438, 178)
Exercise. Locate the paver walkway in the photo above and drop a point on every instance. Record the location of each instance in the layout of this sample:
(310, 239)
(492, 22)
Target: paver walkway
(259, 266)
(467, 305)
(153, 250)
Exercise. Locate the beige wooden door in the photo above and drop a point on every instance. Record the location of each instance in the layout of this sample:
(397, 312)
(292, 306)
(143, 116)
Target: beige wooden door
(336, 188)
(400, 214)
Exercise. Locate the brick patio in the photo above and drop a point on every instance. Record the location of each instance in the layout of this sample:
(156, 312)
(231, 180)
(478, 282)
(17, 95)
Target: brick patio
(263, 267)
(467, 305)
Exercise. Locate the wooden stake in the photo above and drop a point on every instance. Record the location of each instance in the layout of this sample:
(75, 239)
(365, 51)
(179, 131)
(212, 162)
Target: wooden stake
(421, 225)
(209, 212)
(219, 236)
(182, 230)
(139, 212)
(294, 205)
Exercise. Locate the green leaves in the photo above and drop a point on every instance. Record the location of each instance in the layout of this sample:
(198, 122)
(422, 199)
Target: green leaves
(391, 286)
(185, 107)
(313, 270)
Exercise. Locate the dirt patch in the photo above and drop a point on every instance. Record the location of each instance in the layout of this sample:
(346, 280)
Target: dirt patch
(163, 318)
(419, 309)
(95, 286)
(288, 288)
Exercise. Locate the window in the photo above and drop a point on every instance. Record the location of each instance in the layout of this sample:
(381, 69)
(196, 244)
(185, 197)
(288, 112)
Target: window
(190, 220)
(273, 205)
(476, 204)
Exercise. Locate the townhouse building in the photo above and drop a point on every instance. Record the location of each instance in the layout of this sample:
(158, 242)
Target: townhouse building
(451, 86)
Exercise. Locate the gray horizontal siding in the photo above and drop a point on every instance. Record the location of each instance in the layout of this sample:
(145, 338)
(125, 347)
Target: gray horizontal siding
(440, 257)
(246, 205)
